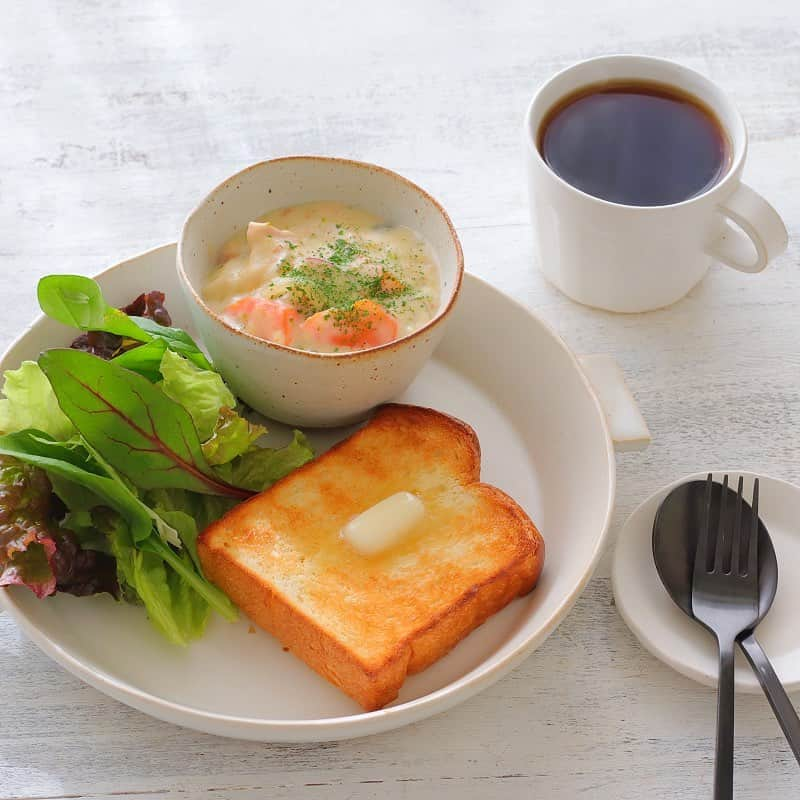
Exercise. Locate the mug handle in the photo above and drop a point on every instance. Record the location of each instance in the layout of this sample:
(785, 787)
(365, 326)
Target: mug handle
(754, 220)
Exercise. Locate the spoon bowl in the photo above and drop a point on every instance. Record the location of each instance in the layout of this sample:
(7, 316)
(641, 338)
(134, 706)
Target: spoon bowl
(675, 529)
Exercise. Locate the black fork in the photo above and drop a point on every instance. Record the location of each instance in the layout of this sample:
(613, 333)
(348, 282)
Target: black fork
(725, 601)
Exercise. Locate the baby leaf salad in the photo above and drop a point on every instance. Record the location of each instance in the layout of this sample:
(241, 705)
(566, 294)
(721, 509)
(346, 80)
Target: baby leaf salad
(116, 452)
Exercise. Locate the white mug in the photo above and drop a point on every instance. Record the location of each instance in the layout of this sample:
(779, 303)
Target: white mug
(638, 258)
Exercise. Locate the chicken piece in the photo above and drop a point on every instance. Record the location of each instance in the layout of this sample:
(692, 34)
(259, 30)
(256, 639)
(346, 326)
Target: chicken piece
(243, 271)
(268, 245)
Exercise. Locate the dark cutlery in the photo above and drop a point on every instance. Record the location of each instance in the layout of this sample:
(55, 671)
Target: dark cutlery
(725, 602)
(678, 520)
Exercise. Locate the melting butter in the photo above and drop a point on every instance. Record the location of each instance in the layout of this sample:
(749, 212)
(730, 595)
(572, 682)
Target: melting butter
(385, 524)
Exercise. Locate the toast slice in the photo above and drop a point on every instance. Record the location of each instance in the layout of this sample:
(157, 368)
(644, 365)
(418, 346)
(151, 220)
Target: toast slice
(365, 622)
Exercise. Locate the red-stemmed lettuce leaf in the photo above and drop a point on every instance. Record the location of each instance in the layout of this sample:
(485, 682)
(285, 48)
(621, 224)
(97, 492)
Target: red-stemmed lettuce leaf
(132, 424)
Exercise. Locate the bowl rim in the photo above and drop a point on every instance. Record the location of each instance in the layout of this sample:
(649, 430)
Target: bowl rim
(351, 355)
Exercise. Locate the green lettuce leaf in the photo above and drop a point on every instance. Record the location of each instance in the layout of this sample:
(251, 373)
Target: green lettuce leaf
(83, 480)
(202, 508)
(77, 301)
(176, 340)
(176, 598)
(186, 528)
(121, 545)
(145, 359)
(223, 433)
(61, 460)
(260, 467)
(189, 609)
(81, 496)
(201, 392)
(189, 513)
(232, 436)
(31, 403)
(75, 496)
(172, 606)
(216, 598)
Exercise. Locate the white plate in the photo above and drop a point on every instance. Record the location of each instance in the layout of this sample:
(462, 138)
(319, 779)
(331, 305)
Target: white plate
(544, 441)
(669, 634)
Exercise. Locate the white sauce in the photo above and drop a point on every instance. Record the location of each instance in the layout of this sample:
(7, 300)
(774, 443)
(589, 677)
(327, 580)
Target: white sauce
(326, 277)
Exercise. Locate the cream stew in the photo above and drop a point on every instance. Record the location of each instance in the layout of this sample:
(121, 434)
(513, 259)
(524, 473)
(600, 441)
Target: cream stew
(325, 277)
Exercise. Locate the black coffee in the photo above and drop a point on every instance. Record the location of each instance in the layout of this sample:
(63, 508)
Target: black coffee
(635, 143)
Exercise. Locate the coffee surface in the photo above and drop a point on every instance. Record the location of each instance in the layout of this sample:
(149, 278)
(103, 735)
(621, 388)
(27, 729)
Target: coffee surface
(635, 143)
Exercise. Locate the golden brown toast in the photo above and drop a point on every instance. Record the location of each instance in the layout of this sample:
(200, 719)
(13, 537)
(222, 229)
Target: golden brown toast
(365, 622)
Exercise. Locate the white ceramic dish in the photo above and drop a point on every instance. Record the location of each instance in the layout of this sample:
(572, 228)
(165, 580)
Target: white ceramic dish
(669, 634)
(544, 441)
(296, 386)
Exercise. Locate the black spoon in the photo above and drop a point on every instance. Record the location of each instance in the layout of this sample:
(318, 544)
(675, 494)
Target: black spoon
(678, 520)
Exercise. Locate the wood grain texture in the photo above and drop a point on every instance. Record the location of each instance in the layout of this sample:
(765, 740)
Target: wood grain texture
(118, 116)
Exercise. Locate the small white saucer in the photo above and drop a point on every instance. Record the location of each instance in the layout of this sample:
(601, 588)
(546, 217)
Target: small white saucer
(681, 643)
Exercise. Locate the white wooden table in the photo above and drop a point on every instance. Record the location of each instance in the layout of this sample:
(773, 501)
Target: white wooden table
(117, 117)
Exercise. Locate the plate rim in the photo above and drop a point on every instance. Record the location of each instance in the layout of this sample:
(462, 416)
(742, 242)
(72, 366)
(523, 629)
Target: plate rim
(752, 686)
(362, 723)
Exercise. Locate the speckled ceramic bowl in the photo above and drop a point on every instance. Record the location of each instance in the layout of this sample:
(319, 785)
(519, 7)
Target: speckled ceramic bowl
(295, 386)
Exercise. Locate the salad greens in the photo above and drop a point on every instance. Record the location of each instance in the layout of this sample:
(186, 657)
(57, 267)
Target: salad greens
(116, 453)
(177, 340)
(34, 550)
(31, 403)
(132, 423)
(202, 392)
(26, 542)
(144, 359)
(231, 436)
(77, 301)
(258, 466)
(83, 483)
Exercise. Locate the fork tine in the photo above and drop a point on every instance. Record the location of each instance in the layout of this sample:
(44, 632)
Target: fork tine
(752, 553)
(701, 553)
(736, 546)
(720, 543)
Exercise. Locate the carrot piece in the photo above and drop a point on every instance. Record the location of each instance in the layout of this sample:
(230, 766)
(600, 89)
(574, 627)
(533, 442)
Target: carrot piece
(368, 324)
(267, 319)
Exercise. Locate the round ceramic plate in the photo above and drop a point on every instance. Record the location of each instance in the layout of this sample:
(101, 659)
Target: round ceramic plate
(669, 634)
(544, 441)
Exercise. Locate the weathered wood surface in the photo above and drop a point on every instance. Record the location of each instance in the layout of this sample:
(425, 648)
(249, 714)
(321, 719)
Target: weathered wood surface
(118, 116)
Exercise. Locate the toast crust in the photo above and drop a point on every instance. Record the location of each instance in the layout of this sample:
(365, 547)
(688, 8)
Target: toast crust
(365, 624)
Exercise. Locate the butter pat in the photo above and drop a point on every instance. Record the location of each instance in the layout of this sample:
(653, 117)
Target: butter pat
(385, 524)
